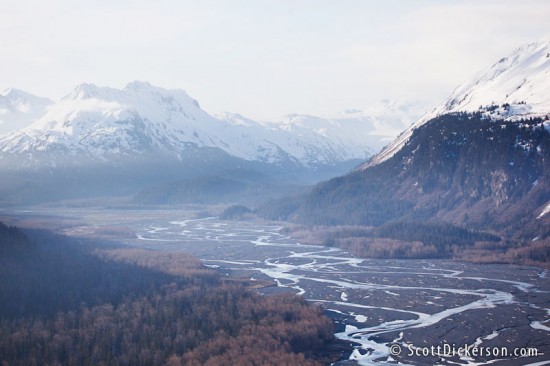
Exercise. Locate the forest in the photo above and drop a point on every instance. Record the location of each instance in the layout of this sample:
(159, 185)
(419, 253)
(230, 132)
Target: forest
(65, 301)
(444, 194)
(445, 172)
(417, 240)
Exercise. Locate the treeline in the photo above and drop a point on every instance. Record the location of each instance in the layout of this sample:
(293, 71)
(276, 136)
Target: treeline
(533, 253)
(236, 212)
(137, 307)
(441, 235)
(463, 168)
(396, 239)
(389, 248)
(414, 240)
(13, 244)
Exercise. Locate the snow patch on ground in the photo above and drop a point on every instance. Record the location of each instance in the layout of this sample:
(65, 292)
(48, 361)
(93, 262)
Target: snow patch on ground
(544, 211)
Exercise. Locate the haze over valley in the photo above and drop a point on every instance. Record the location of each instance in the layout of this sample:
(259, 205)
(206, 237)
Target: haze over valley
(374, 222)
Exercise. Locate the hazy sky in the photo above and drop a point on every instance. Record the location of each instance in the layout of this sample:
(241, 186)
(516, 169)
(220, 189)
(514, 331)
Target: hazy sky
(263, 58)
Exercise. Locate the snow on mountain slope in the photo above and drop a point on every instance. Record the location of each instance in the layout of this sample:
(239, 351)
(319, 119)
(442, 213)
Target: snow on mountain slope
(379, 123)
(100, 122)
(19, 109)
(354, 133)
(273, 141)
(517, 86)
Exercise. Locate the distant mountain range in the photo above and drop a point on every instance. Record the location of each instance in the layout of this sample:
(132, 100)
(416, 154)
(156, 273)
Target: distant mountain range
(100, 123)
(480, 160)
(144, 135)
(19, 109)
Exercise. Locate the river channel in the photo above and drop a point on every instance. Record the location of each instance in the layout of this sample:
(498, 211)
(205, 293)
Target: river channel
(417, 312)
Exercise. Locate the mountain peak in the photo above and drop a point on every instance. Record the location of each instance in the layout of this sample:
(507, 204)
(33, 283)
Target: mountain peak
(18, 109)
(20, 96)
(521, 78)
(515, 87)
(12, 92)
(236, 119)
(147, 90)
(83, 91)
(136, 84)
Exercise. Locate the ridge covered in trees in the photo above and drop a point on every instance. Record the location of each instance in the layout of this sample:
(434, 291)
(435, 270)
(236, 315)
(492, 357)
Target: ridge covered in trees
(462, 169)
(397, 240)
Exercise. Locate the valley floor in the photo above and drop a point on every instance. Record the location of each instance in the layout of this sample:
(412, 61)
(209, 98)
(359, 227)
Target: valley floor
(379, 306)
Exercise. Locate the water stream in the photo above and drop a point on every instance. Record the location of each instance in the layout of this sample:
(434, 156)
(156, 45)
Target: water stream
(379, 304)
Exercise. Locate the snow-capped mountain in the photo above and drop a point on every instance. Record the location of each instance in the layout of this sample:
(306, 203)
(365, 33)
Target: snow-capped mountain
(481, 168)
(19, 109)
(378, 124)
(98, 122)
(354, 132)
(308, 145)
(107, 141)
(516, 87)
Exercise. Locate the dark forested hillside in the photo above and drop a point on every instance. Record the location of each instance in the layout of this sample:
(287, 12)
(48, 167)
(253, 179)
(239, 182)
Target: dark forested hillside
(462, 168)
(70, 303)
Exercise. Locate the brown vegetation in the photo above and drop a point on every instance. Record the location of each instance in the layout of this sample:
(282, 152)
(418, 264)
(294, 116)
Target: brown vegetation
(114, 232)
(179, 264)
(395, 240)
(536, 253)
(193, 325)
(142, 308)
(386, 248)
(425, 241)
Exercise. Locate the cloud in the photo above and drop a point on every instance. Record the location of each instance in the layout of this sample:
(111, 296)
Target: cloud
(432, 48)
(264, 58)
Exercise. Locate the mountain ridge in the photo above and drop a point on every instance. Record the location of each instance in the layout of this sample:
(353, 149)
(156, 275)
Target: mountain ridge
(515, 87)
(18, 109)
(455, 179)
(483, 169)
(98, 122)
(143, 136)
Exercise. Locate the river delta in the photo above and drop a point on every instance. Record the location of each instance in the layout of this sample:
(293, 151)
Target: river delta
(388, 311)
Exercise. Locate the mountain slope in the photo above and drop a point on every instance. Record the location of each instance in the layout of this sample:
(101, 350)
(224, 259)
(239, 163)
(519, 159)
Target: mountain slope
(485, 169)
(517, 86)
(100, 140)
(101, 123)
(19, 109)
(447, 172)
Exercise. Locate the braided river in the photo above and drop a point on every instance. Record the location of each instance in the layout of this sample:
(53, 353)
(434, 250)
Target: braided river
(408, 312)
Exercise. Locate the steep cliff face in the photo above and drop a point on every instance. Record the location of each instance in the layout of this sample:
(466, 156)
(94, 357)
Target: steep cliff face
(460, 168)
